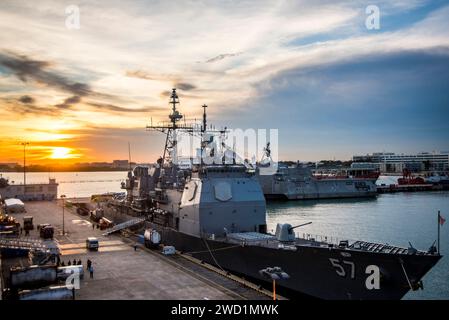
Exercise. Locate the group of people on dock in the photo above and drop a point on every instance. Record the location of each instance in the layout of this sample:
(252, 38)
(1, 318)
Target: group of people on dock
(89, 265)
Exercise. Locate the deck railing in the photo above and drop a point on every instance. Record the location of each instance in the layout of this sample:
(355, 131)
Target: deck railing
(323, 238)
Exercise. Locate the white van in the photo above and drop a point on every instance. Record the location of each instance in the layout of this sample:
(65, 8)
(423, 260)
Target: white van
(92, 244)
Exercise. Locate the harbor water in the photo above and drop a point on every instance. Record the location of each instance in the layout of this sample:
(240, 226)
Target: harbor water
(74, 184)
(397, 218)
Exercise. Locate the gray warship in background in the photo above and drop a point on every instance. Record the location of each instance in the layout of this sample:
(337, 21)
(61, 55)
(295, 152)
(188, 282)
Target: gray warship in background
(295, 182)
(216, 213)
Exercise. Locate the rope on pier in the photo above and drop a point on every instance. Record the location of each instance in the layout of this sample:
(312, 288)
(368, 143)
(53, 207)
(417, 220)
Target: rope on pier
(212, 255)
(406, 276)
(219, 249)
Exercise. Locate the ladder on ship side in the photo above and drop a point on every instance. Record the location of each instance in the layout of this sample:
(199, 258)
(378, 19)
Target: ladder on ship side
(124, 225)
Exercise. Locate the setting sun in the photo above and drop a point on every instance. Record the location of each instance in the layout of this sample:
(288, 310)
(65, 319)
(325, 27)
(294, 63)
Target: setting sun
(61, 153)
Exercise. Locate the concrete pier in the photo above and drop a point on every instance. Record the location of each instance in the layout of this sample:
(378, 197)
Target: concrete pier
(120, 272)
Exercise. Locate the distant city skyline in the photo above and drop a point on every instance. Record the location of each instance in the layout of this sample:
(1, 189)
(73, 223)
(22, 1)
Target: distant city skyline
(332, 86)
(122, 163)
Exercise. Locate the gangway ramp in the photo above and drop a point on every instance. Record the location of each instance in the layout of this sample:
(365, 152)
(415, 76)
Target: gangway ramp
(124, 225)
(32, 244)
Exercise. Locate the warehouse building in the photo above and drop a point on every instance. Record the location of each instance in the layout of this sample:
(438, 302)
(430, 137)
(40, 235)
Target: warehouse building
(392, 162)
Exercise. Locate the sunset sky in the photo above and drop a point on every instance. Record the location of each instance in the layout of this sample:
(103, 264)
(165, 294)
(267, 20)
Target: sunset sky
(311, 69)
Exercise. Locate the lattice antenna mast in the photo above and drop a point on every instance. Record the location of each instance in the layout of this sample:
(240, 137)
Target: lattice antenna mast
(170, 130)
(173, 126)
(204, 127)
(267, 153)
(175, 116)
(171, 139)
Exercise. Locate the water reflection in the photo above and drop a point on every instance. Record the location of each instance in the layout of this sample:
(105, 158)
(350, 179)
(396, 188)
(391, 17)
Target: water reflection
(282, 204)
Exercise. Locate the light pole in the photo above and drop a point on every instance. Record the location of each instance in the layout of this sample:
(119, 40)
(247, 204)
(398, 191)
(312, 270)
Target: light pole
(24, 144)
(274, 274)
(63, 205)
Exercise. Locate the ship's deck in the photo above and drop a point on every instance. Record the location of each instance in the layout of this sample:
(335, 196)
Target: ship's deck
(270, 241)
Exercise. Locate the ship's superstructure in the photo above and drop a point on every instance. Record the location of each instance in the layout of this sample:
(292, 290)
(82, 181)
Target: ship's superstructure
(216, 213)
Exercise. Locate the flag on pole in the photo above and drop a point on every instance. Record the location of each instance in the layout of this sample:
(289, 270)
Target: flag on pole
(441, 220)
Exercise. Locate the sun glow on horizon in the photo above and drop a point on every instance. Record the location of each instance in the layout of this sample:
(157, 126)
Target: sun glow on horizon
(62, 153)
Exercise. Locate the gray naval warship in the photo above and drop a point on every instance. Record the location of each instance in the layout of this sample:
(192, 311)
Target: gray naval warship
(297, 182)
(216, 212)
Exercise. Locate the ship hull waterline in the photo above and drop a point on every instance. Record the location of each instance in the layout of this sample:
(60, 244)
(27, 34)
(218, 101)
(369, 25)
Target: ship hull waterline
(328, 196)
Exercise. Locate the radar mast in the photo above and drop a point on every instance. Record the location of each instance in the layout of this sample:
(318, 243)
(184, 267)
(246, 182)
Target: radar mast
(170, 154)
